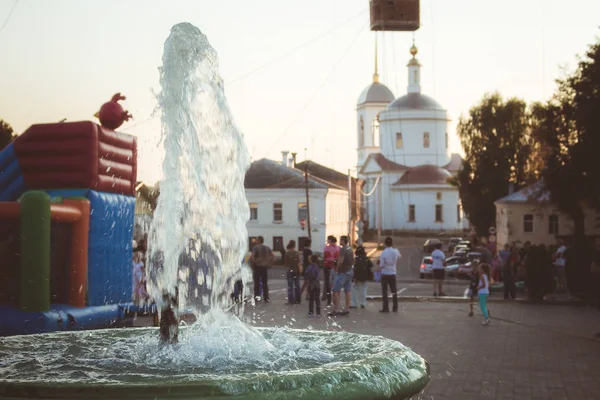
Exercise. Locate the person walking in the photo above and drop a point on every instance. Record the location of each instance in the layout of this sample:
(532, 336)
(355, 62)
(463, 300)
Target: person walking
(293, 263)
(439, 272)
(330, 256)
(313, 285)
(388, 261)
(560, 262)
(343, 278)
(306, 253)
(483, 290)
(362, 274)
(261, 260)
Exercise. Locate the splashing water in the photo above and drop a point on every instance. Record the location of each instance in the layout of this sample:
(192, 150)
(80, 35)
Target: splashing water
(202, 193)
(202, 198)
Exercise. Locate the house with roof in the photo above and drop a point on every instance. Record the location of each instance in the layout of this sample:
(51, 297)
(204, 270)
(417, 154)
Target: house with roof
(276, 193)
(404, 158)
(529, 215)
(339, 179)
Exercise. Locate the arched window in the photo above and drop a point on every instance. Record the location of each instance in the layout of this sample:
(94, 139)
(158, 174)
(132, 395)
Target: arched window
(361, 132)
(399, 140)
(376, 131)
(416, 77)
(426, 140)
(447, 139)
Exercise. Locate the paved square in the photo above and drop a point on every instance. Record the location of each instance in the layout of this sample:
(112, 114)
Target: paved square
(528, 352)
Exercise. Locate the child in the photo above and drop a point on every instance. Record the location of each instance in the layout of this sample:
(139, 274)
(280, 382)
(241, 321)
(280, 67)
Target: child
(313, 285)
(473, 285)
(483, 289)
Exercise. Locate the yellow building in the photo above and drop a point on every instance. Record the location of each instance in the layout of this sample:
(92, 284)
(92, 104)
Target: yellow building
(529, 215)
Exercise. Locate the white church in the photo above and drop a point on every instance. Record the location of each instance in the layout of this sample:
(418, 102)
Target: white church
(404, 158)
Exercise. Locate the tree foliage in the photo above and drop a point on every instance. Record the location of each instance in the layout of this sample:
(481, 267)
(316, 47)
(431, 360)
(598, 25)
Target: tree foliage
(6, 134)
(568, 126)
(495, 138)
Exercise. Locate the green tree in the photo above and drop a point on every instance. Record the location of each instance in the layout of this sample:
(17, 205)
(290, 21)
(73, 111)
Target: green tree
(6, 134)
(568, 125)
(496, 141)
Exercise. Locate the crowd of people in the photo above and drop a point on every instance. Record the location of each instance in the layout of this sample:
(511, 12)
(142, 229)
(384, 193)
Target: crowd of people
(340, 269)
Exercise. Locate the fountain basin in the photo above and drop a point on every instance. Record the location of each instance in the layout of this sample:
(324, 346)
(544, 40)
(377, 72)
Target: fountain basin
(263, 363)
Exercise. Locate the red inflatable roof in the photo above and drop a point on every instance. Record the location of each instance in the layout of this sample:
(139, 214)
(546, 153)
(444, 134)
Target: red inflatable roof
(77, 155)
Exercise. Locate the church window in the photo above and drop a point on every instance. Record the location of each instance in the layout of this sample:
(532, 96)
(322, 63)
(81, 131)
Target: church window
(438, 196)
(412, 217)
(447, 139)
(458, 213)
(277, 212)
(416, 77)
(426, 140)
(553, 224)
(376, 131)
(361, 132)
(439, 217)
(399, 140)
(528, 223)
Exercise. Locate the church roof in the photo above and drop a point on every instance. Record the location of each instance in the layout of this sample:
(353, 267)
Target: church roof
(455, 163)
(269, 174)
(425, 175)
(375, 93)
(386, 164)
(415, 101)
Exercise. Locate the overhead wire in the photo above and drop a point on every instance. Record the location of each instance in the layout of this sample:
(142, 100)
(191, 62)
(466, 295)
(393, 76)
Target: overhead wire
(296, 49)
(317, 91)
(265, 65)
(10, 13)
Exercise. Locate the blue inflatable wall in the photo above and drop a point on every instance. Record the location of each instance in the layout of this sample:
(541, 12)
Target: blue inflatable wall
(110, 252)
(12, 184)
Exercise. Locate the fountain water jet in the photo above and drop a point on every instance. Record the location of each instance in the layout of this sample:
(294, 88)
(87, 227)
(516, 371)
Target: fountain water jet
(202, 196)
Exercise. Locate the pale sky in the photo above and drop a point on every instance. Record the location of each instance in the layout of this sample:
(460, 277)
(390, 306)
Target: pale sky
(64, 58)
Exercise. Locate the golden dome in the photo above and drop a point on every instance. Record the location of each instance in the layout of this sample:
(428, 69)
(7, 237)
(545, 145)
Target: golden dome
(414, 50)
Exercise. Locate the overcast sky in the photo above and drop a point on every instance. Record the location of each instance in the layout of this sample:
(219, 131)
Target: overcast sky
(64, 58)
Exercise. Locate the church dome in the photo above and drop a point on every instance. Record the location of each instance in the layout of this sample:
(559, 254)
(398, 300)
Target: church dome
(415, 101)
(425, 175)
(376, 93)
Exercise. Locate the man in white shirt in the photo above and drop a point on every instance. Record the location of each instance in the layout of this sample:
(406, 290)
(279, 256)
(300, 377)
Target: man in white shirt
(560, 262)
(388, 260)
(439, 263)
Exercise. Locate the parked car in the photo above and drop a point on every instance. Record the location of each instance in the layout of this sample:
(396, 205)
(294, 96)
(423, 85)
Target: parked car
(464, 270)
(429, 244)
(475, 255)
(461, 248)
(453, 264)
(426, 267)
(452, 243)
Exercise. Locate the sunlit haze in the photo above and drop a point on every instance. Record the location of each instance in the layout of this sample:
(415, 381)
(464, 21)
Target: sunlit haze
(64, 58)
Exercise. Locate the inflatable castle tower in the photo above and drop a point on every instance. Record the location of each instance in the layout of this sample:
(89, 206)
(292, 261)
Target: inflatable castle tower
(67, 204)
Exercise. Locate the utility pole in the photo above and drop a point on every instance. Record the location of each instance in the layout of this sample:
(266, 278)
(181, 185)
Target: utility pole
(379, 219)
(350, 235)
(307, 198)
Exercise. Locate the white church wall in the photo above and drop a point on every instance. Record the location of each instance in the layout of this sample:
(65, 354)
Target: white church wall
(413, 151)
(424, 201)
(337, 215)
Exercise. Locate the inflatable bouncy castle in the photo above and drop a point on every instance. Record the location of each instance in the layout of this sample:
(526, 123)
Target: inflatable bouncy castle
(67, 203)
